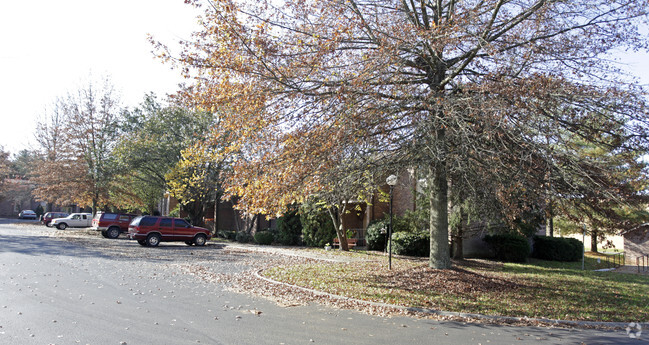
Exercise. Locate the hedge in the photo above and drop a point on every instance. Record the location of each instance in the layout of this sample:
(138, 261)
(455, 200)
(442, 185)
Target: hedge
(557, 248)
(264, 237)
(411, 243)
(376, 235)
(509, 247)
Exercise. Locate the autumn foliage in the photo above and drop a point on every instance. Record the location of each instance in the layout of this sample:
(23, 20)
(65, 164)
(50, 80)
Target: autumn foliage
(461, 89)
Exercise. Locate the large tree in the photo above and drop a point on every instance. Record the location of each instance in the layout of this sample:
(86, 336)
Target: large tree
(77, 142)
(153, 137)
(5, 169)
(597, 211)
(484, 86)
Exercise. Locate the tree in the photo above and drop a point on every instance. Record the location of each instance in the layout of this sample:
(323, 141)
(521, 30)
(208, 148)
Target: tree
(23, 164)
(5, 169)
(447, 85)
(78, 141)
(153, 137)
(197, 177)
(597, 211)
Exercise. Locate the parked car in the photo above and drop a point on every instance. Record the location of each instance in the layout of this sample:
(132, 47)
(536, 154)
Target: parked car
(74, 220)
(151, 230)
(27, 214)
(111, 224)
(47, 217)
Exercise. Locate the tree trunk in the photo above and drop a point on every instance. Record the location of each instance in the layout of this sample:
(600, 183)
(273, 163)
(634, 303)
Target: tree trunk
(549, 219)
(336, 217)
(217, 201)
(593, 241)
(458, 237)
(440, 256)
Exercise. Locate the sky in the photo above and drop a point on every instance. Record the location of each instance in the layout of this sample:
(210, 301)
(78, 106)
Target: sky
(51, 48)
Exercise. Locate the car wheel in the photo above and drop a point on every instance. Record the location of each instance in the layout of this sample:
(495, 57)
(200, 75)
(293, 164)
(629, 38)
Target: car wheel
(61, 226)
(48, 224)
(153, 240)
(142, 242)
(189, 243)
(200, 240)
(113, 232)
(104, 234)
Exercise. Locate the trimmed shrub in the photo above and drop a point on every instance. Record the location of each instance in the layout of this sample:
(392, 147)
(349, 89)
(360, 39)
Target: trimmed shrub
(557, 248)
(244, 237)
(509, 247)
(289, 228)
(376, 235)
(227, 234)
(317, 227)
(264, 237)
(411, 243)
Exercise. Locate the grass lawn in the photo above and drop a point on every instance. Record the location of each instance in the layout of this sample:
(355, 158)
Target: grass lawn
(537, 289)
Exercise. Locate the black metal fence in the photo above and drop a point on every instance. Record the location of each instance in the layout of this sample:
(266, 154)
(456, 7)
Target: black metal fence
(614, 260)
(643, 263)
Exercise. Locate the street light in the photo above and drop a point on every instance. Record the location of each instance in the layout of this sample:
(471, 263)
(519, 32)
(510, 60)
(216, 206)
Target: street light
(391, 181)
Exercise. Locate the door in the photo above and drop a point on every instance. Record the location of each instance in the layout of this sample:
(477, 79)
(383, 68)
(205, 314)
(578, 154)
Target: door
(75, 221)
(183, 231)
(166, 229)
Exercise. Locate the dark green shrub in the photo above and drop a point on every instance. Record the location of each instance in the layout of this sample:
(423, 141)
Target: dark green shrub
(317, 227)
(289, 228)
(557, 248)
(509, 247)
(227, 234)
(411, 243)
(244, 237)
(264, 237)
(376, 234)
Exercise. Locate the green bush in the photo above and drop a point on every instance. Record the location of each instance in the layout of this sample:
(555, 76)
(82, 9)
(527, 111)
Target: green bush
(264, 237)
(244, 237)
(557, 248)
(411, 221)
(376, 235)
(227, 234)
(317, 227)
(509, 247)
(289, 228)
(411, 243)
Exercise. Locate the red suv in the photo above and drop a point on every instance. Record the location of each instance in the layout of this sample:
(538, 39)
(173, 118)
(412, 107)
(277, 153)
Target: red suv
(111, 224)
(151, 230)
(47, 217)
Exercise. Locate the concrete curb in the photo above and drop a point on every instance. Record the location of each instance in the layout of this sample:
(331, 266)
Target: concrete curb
(583, 324)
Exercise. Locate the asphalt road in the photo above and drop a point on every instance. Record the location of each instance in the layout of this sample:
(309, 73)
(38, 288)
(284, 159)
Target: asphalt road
(54, 291)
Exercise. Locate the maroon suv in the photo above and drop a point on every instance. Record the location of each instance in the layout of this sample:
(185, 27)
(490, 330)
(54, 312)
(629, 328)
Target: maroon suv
(151, 230)
(111, 224)
(47, 217)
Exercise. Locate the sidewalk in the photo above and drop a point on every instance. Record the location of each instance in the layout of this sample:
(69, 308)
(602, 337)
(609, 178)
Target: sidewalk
(303, 252)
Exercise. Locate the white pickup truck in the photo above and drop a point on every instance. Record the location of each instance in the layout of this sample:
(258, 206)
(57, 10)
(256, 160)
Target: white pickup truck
(74, 220)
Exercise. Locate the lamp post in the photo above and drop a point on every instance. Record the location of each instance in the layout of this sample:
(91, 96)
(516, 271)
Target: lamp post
(391, 181)
(583, 252)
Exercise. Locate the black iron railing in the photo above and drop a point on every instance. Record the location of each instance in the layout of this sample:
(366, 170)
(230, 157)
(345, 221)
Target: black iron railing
(642, 262)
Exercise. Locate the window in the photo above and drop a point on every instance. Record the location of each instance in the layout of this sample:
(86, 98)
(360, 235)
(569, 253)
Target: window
(166, 222)
(124, 218)
(109, 216)
(76, 216)
(85, 216)
(148, 221)
(181, 223)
